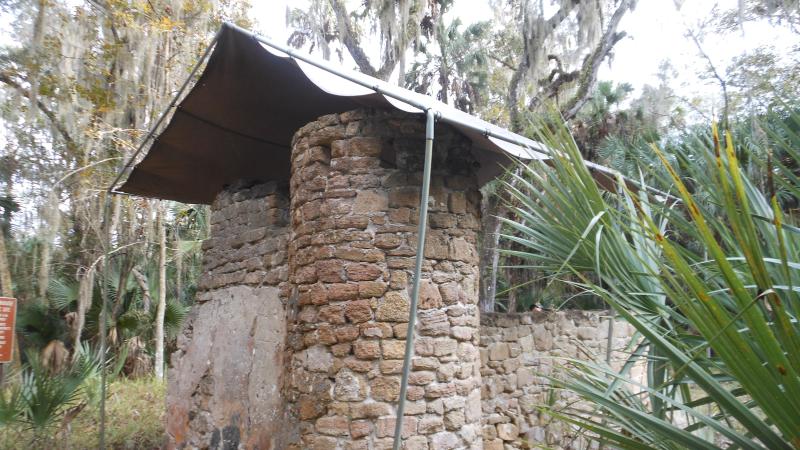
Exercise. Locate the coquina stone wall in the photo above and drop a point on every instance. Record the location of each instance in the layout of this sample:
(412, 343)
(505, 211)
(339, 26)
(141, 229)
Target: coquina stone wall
(517, 352)
(355, 194)
(225, 384)
(298, 333)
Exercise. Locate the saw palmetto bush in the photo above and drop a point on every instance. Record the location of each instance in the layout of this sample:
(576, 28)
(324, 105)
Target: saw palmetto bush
(708, 274)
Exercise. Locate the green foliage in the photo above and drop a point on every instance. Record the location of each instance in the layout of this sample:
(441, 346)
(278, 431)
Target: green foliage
(708, 280)
(455, 61)
(40, 323)
(134, 407)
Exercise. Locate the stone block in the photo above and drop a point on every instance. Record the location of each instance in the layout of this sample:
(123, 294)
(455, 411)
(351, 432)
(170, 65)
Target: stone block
(393, 349)
(330, 271)
(333, 425)
(360, 428)
(394, 307)
(444, 440)
(430, 424)
(433, 323)
(363, 272)
(507, 431)
(385, 388)
(358, 311)
(429, 296)
(364, 349)
(370, 202)
(333, 314)
(498, 351)
(337, 292)
(349, 386)
(367, 289)
(385, 427)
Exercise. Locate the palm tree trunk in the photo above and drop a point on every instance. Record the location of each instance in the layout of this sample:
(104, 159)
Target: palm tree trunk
(162, 290)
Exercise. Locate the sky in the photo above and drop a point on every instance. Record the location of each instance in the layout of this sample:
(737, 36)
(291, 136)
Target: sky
(656, 31)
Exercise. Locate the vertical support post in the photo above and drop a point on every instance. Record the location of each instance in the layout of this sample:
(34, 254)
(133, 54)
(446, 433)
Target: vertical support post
(103, 319)
(420, 257)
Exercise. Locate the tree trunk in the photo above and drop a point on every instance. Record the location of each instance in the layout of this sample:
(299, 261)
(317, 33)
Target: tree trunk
(50, 225)
(178, 268)
(162, 290)
(85, 291)
(141, 280)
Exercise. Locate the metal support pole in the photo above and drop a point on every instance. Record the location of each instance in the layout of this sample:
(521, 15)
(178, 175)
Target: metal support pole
(103, 319)
(412, 315)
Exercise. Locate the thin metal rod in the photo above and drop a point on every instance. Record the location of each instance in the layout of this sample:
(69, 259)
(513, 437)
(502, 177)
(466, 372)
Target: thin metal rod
(172, 103)
(422, 229)
(103, 319)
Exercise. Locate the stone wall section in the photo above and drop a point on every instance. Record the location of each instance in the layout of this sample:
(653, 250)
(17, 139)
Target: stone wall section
(226, 380)
(355, 189)
(517, 352)
(298, 333)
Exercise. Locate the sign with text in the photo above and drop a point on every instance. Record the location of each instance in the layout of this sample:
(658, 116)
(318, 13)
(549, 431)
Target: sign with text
(8, 313)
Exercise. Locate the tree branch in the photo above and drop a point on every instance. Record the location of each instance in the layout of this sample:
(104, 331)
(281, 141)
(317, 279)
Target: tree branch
(520, 73)
(505, 63)
(592, 63)
(51, 116)
(723, 84)
(349, 39)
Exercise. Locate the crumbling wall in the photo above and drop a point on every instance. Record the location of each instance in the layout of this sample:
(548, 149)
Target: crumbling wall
(355, 193)
(225, 386)
(517, 352)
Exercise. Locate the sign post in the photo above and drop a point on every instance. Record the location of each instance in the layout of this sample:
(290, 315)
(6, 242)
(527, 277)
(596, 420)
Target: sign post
(8, 314)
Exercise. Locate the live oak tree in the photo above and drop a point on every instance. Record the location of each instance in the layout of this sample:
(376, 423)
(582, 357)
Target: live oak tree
(329, 23)
(80, 84)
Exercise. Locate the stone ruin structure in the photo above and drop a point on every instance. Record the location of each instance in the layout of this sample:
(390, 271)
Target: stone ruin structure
(297, 337)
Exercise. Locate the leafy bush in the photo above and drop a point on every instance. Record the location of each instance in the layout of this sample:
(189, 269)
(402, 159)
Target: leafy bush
(708, 278)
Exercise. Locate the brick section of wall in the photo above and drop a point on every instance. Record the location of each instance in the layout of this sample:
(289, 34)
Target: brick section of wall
(225, 386)
(249, 236)
(517, 352)
(355, 187)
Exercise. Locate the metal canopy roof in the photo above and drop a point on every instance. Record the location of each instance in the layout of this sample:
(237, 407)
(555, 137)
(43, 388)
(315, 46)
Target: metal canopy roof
(238, 120)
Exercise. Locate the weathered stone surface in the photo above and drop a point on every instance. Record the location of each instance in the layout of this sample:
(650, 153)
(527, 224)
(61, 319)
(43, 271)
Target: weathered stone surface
(358, 311)
(394, 307)
(385, 388)
(333, 425)
(349, 386)
(370, 202)
(363, 272)
(445, 441)
(512, 369)
(393, 349)
(507, 431)
(342, 265)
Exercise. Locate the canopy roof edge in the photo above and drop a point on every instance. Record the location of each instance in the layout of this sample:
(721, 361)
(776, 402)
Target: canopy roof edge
(238, 120)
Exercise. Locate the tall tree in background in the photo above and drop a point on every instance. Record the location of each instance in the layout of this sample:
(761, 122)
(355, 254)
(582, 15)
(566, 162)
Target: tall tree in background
(453, 63)
(561, 45)
(80, 85)
(397, 24)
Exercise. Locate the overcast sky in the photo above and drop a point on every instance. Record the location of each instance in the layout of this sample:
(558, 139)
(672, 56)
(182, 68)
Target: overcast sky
(656, 32)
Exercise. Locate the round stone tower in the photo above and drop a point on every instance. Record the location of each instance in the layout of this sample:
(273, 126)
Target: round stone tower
(354, 198)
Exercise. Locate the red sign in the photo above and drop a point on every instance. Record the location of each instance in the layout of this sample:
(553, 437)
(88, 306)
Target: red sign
(8, 312)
